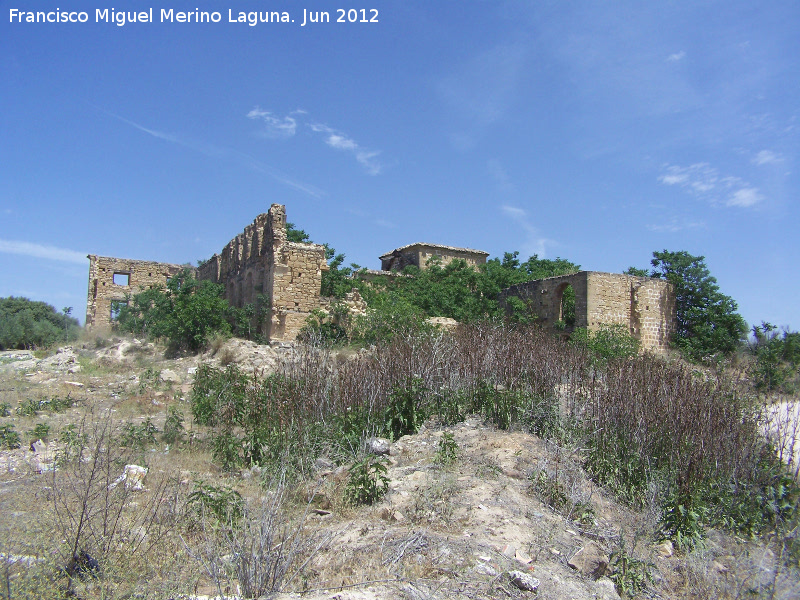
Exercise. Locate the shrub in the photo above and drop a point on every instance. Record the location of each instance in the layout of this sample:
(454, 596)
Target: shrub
(367, 482)
(406, 411)
(608, 341)
(173, 426)
(446, 450)
(186, 313)
(8, 437)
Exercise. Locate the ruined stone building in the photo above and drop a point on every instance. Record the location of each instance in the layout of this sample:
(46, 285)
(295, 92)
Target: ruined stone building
(418, 255)
(261, 261)
(644, 306)
(258, 261)
(112, 280)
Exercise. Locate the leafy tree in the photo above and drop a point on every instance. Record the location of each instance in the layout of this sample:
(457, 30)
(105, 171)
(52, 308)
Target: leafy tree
(26, 323)
(777, 365)
(187, 312)
(707, 321)
(297, 235)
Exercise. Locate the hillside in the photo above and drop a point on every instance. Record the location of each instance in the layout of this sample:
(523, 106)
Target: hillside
(467, 502)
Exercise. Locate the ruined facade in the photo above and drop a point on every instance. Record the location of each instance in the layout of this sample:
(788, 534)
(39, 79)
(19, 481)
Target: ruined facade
(261, 260)
(645, 306)
(418, 255)
(258, 261)
(111, 280)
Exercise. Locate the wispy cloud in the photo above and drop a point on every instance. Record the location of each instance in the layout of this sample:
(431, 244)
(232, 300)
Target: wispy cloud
(275, 127)
(215, 151)
(278, 127)
(678, 56)
(534, 243)
(705, 182)
(674, 224)
(338, 140)
(42, 251)
(767, 157)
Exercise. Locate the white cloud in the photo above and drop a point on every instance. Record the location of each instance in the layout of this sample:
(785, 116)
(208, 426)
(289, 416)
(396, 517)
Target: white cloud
(276, 127)
(745, 197)
(215, 151)
(676, 57)
(767, 157)
(340, 142)
(42, 251)
(704, 181)
(336, 139)
(333, 138)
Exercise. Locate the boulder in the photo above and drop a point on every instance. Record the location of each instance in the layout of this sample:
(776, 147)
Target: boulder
(590, 560)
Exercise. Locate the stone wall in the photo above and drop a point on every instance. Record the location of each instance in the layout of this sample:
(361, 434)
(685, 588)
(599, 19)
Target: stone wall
(111, 279)
(645, 306)
(261, 260)
(419, 254)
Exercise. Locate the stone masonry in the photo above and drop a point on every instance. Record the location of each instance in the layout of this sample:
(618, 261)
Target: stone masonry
(418, 254)
(111, 280)
(261, 260)
(645, 306)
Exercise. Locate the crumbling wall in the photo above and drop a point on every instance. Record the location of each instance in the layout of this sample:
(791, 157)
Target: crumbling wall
(261, 260)
(111, 280)
(645, 306)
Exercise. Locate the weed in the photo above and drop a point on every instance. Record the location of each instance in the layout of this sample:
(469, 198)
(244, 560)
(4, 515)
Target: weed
(149, 378)
(368, 482)
(630, 575)
(5, 409)
(223, 503)
(40, 432)
(446, 450)
(682, 521)
(31, 407)
(140, 436)
(405, 412)
(549, 490)
(173, 426)
(8, 437)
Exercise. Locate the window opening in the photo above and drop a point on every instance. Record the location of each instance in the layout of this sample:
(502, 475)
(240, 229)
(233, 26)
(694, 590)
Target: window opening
(116, 307)
(122, 279)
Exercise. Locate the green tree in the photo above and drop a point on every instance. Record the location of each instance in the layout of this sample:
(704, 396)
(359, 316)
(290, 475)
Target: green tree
(187, 312)
(297, 235)
(30, 324)
(707, 321)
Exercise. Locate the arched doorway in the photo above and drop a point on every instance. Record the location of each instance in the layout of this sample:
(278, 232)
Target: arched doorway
(566, 305)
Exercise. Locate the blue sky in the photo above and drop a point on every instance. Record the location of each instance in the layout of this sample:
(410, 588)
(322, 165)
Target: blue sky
(593, 131)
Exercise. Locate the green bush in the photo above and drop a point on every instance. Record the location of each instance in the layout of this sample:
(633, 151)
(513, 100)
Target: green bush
(186, 313)
(367, 482)
(173, 426)
(447, 450)
(8, 437)
(608, 341)
(26, 324)
(406, 410)
(225, 504)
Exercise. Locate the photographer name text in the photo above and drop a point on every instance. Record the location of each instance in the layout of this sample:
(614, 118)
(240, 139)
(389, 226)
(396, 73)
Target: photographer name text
(200, 17)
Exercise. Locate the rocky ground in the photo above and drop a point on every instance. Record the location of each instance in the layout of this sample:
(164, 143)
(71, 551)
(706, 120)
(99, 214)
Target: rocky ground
(510, 516)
